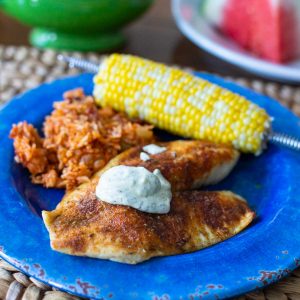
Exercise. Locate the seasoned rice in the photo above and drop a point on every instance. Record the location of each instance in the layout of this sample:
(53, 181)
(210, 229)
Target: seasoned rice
(79, 139)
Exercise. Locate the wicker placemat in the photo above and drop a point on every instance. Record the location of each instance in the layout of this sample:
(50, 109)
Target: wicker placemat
(22, 68)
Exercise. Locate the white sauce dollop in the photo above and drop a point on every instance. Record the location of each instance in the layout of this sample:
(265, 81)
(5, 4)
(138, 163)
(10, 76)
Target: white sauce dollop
(144, 156)
(154, 149)
(136, 187)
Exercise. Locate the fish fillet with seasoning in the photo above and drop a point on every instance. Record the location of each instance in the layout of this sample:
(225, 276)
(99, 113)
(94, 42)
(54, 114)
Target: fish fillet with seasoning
(86, 226)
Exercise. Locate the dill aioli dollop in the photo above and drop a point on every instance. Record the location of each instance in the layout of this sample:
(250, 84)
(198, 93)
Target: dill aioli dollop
(154, 149)
(144, 156)
(136, 187)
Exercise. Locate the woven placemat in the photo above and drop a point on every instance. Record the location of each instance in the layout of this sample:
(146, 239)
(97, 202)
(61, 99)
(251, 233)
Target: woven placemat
(22, 68)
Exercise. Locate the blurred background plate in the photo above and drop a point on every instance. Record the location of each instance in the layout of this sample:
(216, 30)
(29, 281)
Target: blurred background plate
(199, 31)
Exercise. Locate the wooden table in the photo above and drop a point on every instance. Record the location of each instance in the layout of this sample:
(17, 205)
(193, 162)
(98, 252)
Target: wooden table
(153, 36)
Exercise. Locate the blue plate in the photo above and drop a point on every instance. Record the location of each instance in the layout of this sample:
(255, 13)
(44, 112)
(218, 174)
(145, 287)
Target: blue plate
(265, 252)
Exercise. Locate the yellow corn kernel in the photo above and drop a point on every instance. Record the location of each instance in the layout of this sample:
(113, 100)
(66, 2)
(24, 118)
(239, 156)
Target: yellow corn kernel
(177, 101)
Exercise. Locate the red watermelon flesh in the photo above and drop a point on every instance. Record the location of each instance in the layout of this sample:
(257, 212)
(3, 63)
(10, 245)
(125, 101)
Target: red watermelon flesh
(269, 30)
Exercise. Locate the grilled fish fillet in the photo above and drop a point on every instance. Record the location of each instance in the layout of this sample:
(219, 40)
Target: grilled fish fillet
(83, 225)
(185, 164)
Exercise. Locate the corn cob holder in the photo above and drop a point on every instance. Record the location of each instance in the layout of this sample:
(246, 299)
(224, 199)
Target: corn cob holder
(181, 103)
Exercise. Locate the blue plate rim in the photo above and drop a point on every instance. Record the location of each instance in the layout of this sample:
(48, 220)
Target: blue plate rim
(290, 264)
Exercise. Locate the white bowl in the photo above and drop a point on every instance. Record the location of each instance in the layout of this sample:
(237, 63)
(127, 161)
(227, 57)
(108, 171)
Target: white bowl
(199, 31)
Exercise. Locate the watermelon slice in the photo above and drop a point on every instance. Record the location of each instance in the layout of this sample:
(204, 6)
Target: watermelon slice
(268, 28)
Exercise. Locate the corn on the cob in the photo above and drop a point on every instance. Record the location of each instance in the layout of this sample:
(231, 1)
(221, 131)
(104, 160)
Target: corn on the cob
(177, 101)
